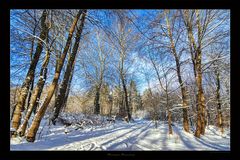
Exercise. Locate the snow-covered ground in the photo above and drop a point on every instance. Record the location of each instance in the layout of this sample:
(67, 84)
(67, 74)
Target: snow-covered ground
(137, 135)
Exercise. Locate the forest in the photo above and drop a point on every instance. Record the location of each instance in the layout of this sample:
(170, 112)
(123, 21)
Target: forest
(119, 79)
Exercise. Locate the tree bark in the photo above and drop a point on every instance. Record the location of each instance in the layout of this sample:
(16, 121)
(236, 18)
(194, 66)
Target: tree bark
(30, 75)
(126, 99)
(170, 122)
(96, 100)
(64, 84)
(14, 102)
(110, 103)
(36, 95)
(169, 113)
(68, 88)
(200, 98)
(40, 113)
(178, 70)
(31, 56)
(30, 94)
(196, 55)
(219, 112)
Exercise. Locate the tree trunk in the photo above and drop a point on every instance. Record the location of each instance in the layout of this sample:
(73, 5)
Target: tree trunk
(196, 55)
(96, 100)
(170, 121)
(36, 95)
(14, 102)
(110, 103)
(30, 94)
(130, 100)
(68, 88)
(57, 86)
(30, 75)
(219, 112)
(40, 113)
(198, 125)
(169, 113)
(126, 98)
(64, 84)
(184, 96)
(200, 97)
(178, 69)
(31, 56)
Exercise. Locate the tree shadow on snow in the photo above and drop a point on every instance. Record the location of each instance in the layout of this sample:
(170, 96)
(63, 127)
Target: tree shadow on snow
(65, 139)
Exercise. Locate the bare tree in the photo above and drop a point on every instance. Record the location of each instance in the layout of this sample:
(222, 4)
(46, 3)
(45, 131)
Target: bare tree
(204, 23)
(176, 54)
(164, 81)
(122, 39)
(69, 70)
(39, 87)
(30, 75)
(40, 113)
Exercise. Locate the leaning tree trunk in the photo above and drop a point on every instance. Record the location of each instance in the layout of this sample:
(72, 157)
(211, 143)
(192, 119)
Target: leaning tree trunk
(219, 112)
(36, 95)
(14, 102)
(30, 75)
(40, 113)
(57, 86)
(30, 94)
(64, 84)
(68, 88)
(31, 56)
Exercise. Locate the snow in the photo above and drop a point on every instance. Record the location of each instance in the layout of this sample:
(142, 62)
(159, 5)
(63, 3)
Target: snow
(12, 129)
(138, 135)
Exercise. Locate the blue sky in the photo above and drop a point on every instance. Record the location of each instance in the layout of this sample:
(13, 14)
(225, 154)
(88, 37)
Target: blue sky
(78, 83)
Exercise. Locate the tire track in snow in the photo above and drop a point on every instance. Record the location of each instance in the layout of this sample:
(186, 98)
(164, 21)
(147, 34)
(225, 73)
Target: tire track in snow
(140, 132)
(93, 144)
(130, 135)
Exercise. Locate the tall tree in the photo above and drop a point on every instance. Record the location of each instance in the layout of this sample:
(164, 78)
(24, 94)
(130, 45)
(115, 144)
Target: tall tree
(163, 66)
(196, 54)
(40, 113)
(30, 74)
(38, 90)
(123, 38)
(63, 88)
(208, 25)
(176, 55)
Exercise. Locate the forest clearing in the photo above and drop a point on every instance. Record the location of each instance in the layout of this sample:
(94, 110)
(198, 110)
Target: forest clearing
(119, 79)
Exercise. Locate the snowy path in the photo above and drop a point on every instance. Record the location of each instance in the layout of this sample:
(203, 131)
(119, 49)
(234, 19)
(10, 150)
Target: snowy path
(139, 135)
